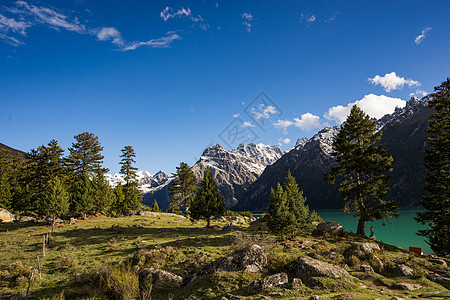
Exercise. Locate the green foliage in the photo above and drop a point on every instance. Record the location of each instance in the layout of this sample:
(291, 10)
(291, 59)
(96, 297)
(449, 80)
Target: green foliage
(119, 199)
(133, 196)
(437, 178)
(314, 217)
(155, 207)
(246, 214)
(287, 214)
(85, 154)
(11, 173)
(207, 202)
(119, 283)
(183, 186)
(56, 200)
(362, 169)
(83, 194)
(103, 195)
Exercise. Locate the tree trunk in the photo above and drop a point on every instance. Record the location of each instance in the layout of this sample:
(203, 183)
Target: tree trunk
(361, 227)
(53, 224)
(208, 222)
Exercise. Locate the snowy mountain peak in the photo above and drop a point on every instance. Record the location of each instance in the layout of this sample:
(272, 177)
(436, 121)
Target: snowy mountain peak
(144, 178)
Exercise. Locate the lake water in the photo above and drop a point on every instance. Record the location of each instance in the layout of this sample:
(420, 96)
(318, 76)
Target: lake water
(400, 232)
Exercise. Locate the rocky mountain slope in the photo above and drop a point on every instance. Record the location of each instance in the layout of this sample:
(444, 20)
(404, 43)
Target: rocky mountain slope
(403, 136)
(233, 171)
(146, 181)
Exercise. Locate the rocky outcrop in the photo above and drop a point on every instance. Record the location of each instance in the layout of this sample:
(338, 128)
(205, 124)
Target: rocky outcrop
(408, 286)
(268, 283)
(330, 227)
(6, 216)
(307, 267)
(160, 276)
(250, 259)
(404, 270)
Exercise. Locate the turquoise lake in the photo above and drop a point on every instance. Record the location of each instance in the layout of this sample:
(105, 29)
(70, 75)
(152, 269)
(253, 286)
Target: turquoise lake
(400, 232)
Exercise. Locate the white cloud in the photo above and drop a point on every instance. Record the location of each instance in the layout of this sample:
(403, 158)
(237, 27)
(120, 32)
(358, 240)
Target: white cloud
(306, 122)
(390, 81)
(263, 112)
(283, 141)
(162, 42)
(307, 18)
(10, 26)
(248, 17)
(110, 33)
(373, 105)
(168, 13)
(418, 40)
(418, 93)
(247, 124)
(236, 116)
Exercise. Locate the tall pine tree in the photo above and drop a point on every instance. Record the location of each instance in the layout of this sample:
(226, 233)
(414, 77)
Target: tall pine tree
(82, 200)
(133, 196)
(183, 187)
(207, 202)
(6, 170)
(362, 169)
(56, 200)
(437, 178)
(85, 154)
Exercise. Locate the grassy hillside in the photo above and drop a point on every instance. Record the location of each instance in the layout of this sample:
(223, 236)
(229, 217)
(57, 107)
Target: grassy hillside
(99, 258)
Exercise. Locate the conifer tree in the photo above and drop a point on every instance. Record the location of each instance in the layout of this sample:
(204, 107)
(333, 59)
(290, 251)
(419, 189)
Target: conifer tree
(362, 169)
(85, 154)
(287, 214)
(6, 195)
(155, 206)
(119, 199)
(103, 195)
(207, 202)
(56, 200)
(183, 186)
(133, 196)
(436, 202)
(82, 200)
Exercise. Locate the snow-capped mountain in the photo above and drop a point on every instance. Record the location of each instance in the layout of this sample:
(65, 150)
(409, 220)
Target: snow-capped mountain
(146, 181)
(403, 136)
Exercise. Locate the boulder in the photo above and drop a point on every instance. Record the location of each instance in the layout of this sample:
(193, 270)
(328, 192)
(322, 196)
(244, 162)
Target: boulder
(250, 259)
(369, 247)
(296, 283)
(6, 216)
(307, 267)
(408, 286)
(268, 283)
(442, 280)
(438, 261)
(159, 276)
(72, 221)
(366, 268)
(27, 219)
(330, 227)
(404, 270)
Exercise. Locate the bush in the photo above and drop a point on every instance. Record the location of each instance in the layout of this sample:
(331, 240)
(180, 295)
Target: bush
(119, 283)
(156, 258)
(246, 214)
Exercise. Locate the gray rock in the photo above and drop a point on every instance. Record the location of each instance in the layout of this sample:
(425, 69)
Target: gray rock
(403, 270)
(296, 283)
(438, 261)
(408, 286)
(330, 227)
(366, 268)
(27, 219)
(72, 221)
(159, 276)
(442, 280)
(369, 247)
(315, 282)
(250, 259)
(6, 216)
(306, 267)
(434, 294)
(229, 296)
(268, 283)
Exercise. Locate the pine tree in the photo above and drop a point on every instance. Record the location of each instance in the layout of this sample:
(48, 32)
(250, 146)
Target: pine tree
(287, 214)
(56, 200)
(183, 186)
(85, 154)
(119, 199)
(362, 169)
(6, 195)
(155, 206)
(207, 202)
(133, 196)
(437, 178)
(82, 200)
(103, 195)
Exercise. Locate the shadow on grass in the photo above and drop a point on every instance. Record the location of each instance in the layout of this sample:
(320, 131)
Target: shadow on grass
(11, 226)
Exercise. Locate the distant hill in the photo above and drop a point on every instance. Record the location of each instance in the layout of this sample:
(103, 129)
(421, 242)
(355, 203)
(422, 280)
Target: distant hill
(12, 150)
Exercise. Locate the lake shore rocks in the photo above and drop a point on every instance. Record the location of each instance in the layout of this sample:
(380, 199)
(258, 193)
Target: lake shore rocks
(307, 267)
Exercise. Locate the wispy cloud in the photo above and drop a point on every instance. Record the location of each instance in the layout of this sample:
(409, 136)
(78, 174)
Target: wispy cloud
(284, 141)
(248, 18)
(390, 81)
(110, 34)
(332, 18)
(418, 40)
(10, 26)
(306, 122)
(375, 106)
(263, 112)
(248, 124)
(169, 13)
(162, 42)
(418, 92)
(307, 18)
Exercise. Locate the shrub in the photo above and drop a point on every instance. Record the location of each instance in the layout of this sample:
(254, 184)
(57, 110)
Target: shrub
(246, 214)
(119, 283)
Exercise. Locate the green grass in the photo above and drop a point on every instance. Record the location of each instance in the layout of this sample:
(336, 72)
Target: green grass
(99, 257)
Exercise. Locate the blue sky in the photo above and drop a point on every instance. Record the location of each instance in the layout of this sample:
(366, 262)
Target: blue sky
(171, 78)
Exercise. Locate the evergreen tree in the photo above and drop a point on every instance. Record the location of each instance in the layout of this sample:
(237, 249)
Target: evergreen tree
(155, 206)
(437, 178)
(82, 200)
(183, 186)
(6, 195)
(287, 214)
(103, 195)
(207, 202)
(119, 199)
(85, 154)
(133, 196)
(56, 200)
(362, 169)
